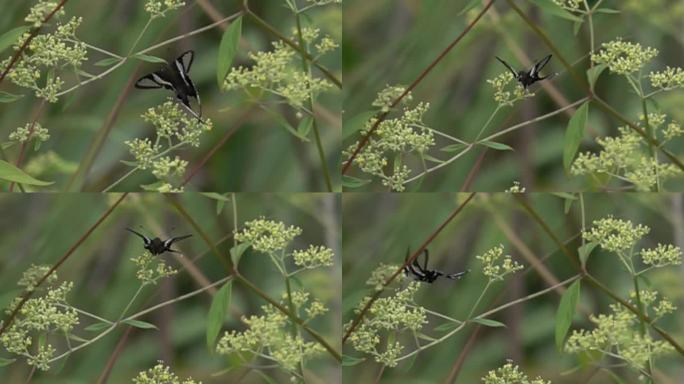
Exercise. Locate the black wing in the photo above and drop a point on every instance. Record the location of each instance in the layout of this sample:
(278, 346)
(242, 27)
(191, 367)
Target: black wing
(425, 259)
(145, 238)
(455, 276)
(515, 74)
(185, 60)
(154, 80)
(534, 72)
(169, 242)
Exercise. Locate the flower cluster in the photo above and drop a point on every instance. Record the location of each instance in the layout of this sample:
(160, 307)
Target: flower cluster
(313, 257)
(158, 8)
(27, 133)
(392, 314)
(626, 157)
(503, 94)
(618, 334)
(615, 235)
(622, 57)
(267, 236)
(510, 374)
(279, 72)
(570, 5)
(271, 334)
(324, 2)
(668, 79)
(172, 126)
(496, 265)
(161, 374)
(383, 272)
(151, 269)
(662, 256)
(47, 53)
(395, 139)
(388, 95)
(516, 188)
(45, 313)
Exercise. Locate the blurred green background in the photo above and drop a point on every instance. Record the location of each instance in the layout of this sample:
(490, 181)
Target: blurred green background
(38, 229)
(260, 156)
(378, 228)
(392, 41)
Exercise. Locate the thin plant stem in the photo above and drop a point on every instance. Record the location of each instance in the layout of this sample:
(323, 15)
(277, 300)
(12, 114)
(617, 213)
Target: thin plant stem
(440, 165)
(479, 299)
(119, 180)
(489, 121)
(310, 102)
(140, 35)
(135, 296)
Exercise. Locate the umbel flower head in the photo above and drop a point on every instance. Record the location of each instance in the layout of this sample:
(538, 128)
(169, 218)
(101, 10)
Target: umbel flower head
(388, 315)
(510, 374)
(496, 265)
(151, 269)
(271, 334)
(393, 139)
(267, 236)
(618, 334)
(279, 72)
(161, 374)
(383, 272)
(47, 54)
(158, 8)
(45, 313)
(623, 57)
(503, 94)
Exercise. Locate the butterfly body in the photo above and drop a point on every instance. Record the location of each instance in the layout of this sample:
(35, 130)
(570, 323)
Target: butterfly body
(176, 78)
(530, 76)
(158, 246)
(422, 273)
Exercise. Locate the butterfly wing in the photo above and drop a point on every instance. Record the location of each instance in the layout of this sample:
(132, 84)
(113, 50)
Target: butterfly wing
(456, 276)
(146, 239)
(155, 80)
(169, 242)
(185, 60)
(515, 74)
(538, 66)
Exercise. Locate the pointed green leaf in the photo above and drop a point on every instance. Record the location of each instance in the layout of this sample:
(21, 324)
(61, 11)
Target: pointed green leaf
(107, 62)
(9, 172)
(574, 134)
(8, 97)
(555, 10)
(606, 10)
(10, 37)
(97, 327)
(566, 311)
(432, 159)
(149, 59)
(140, 324)
(446, 327)
(217, 313)
(584, 252)
(489, 322)
(453, 147)
(236, 253)
(4, 362)
(230, 43)
(352, 125)
(353, 182)
(304, 126)
(349, 361)
(497, 146)
(594, 72)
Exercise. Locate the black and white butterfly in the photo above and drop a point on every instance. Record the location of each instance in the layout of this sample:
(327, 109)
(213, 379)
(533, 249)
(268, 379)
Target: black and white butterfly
(175, 77)
(531, 76)
(158, 246)
(422, 273)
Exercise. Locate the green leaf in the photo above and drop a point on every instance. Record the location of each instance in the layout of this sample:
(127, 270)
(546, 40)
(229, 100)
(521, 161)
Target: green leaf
(606, 10)
(9, 172)
(566, 311)
(584, 252)
(453, 148)
(216, 196)
(12, 36)
(236, 253)
(283, 123)
(4, 362)
(304, 126)
(594, 72)
(140, 324)
(472, 4)
(79, 339)
(425, 337)
(356, 123)
(489, 323)
(497, 146)
(555, 10)
(446, 327)
(8, 97)
(353, 182)
(149, 59)
(107, 62)
(574, 134)
(230, 43)
(97, 327)
(217, 313)
(349, 361)
(433, 159)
